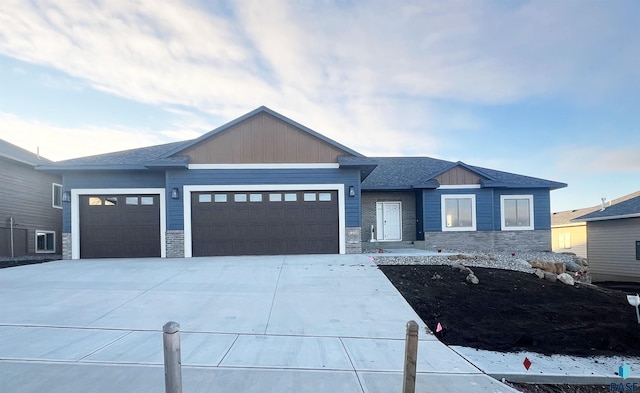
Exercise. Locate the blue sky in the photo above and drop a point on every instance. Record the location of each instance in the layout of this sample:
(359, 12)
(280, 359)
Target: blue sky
(549, 89)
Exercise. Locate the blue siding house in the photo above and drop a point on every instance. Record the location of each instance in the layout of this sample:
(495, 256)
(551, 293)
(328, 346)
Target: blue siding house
(264, 184)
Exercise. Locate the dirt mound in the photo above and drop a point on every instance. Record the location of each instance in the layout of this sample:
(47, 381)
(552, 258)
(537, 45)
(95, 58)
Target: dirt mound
(513, 311)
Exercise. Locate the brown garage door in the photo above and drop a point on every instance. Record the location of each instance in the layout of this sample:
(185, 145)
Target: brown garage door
(118, 226)
(264, 223)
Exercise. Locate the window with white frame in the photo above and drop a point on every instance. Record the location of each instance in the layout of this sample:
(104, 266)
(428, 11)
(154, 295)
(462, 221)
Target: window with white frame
(516, 212)
(56, 195)
(459, 212)
(45, 241)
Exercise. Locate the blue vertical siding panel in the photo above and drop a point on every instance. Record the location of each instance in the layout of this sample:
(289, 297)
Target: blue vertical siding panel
(180, 178)
(541, 206)
(107, 179)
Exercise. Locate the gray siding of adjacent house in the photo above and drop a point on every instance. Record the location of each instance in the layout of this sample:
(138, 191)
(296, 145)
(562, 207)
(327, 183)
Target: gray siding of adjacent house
(26, 195)
(611, 247)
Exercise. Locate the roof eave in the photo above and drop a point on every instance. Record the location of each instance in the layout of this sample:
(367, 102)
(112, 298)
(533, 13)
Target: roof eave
(388, 188)
(632, 215)
(491, 184)
(64, 168)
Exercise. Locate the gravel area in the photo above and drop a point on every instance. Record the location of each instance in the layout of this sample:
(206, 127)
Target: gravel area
(496, 260)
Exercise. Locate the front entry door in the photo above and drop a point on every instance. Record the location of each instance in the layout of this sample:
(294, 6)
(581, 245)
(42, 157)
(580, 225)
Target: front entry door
(389, 221)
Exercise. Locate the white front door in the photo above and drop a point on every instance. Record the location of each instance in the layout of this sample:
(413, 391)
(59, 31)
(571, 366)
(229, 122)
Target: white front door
(388, 215)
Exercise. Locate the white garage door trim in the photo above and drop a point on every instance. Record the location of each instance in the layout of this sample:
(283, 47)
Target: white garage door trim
(187, 190)
(75, 213)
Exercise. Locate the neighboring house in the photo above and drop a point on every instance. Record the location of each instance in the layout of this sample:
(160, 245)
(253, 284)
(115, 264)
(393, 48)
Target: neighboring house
(264, 184)
(30, 205)
(568, 235)
(613, 241)
(452, 205)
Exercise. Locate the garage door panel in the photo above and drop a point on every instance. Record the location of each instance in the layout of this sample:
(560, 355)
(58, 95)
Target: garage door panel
(119, 226)
(268, 223)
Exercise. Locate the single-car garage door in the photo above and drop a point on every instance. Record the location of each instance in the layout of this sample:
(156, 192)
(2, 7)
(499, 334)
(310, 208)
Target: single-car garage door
(118, 226)
(264, 223)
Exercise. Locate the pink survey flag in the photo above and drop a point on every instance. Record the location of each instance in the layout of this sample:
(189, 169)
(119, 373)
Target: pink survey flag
(438, 328)
(371, 259)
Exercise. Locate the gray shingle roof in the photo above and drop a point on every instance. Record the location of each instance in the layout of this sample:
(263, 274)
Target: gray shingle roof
(570, 217)
(400, 173)
(15, 153)
(626, 209)
(142, 157)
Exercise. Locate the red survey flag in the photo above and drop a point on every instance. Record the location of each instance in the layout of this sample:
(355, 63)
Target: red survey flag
(527, 363)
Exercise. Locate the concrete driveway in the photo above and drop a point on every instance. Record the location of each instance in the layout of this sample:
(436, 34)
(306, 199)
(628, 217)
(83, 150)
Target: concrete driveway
(330, 323)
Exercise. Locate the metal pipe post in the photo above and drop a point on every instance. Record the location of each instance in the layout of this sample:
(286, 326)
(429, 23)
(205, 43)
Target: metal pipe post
(172, 361)
(410, 358)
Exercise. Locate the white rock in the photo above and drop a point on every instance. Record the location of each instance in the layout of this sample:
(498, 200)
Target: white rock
(472, 279)
(565, 278)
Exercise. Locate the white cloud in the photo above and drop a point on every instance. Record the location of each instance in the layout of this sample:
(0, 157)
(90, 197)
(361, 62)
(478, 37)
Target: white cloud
(361, 73)
(60, 143)
(594, 159)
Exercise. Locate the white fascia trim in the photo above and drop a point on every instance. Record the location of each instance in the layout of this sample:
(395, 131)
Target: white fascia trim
(531, 225)
(459, 187)
(264, 166)
(444, 214)
(186, 200)
(75, 213)
(632, 215)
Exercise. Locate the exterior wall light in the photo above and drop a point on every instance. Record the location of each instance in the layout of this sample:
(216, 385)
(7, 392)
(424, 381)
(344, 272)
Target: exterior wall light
(352, 191)
(175, 193)
(66, 196)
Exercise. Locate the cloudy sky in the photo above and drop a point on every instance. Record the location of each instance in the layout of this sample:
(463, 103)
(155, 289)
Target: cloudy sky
(548, 89)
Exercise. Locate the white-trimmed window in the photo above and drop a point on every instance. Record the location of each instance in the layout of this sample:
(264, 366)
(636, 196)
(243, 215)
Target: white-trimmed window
(516, 212)
(45, 242)
(56, 195)
(458, 212)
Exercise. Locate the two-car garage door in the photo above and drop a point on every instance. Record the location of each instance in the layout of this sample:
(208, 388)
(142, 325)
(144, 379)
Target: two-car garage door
(264, 223)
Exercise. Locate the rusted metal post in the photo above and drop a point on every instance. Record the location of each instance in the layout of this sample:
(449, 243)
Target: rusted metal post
(172, 362)
(410, 358)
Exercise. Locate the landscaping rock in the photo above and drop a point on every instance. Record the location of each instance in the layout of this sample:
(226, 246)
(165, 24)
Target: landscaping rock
(472, 279)
(539, 273)
(553, 267)
(550, 276)
(581, 261)
(565, 278)
(572, 266)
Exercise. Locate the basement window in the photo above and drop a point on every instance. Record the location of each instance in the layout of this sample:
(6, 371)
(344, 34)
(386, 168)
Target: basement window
(45, 242)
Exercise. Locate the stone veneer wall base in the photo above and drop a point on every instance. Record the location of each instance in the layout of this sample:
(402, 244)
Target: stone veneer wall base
(175, 244)
(538, 240)
(352, 238)
(66, 246)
